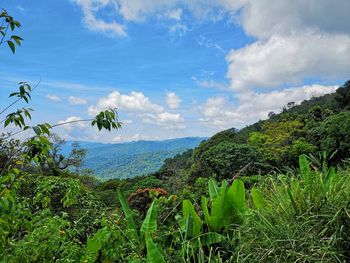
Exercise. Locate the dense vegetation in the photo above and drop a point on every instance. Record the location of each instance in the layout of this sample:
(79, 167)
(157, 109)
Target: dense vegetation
(275, 191)
(127, 160)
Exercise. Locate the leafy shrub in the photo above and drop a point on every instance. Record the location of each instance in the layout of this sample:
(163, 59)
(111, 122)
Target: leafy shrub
(142, 199)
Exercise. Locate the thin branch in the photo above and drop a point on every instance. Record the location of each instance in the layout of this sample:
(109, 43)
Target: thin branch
(53, 126)
(13, 103)
(240, 171)
(3, 37)
(69, 122)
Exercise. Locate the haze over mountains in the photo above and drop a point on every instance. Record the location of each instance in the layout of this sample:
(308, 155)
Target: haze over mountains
(127, 160)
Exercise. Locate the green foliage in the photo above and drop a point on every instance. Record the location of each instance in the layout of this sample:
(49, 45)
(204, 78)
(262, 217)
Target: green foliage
(335, 135)
(191, 223)
(107, 119)
(228, 159)
(127, 160)
(128, 214)
(228, 205)
(50, 240)
(259, 200)
(305, 213)
(342, 96)
(301, 146)
(274, 141)
(8, 22)
(148, 227)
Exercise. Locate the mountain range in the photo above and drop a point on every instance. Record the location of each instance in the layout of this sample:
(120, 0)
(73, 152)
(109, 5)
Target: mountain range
(130, 159)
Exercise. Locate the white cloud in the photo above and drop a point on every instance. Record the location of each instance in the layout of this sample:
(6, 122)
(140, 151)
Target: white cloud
(179, 29)
(165, 119)
(211, 84)
(127, 122)
(261, 19)
(140, 105)
(295, 40)
(203, 41)
(131, 138)
(265, 18)
(140, 10)
(133, 102)
(90, 9)
(289, 60)
(172, 100)
(253, 106)
(54, 98)
(21, 9)
(175, 14)
(76, 100)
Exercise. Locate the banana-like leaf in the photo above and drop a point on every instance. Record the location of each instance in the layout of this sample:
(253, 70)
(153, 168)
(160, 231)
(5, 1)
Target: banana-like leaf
(292, 199)
(149, 224)
(217, 218)
(259, 200)
(94, 244)
(205, 210)
(223, 186)
(187, 210)
(128, 214)
(236, 195)
(188, 227)
(213, 189)
(153, 253)
(304, 166)
(210, 238)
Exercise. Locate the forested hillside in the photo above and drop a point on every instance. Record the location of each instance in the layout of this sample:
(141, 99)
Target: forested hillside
(318, 127)
(126, 160)
(280, 178)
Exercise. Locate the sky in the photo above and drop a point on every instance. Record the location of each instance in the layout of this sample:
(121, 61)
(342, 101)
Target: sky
(174, 68)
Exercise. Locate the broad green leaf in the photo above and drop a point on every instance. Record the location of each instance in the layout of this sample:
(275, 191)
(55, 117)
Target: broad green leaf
(94, 244)
(128, 213)
(188, 227)
(11, 45)
(37, 130)
(217, 219)
(210, 238)
(149, 224)
(295, 206)
(205, 210)
(259, 200)
(236, 195)
(153, 253)
(304, 166)
(188, 209)
(213, 189)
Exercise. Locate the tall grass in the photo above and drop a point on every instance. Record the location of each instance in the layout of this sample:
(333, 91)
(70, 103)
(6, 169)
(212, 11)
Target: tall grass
(308, 219)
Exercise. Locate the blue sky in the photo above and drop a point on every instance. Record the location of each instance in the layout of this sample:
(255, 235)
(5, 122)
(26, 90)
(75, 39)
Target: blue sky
(174, 68)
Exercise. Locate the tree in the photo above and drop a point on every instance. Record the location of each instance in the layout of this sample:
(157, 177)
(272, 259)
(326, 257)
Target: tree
(335, 136)
(275, 139)
(271, 114)
(227, 159)
(58, 162)
(342, 96)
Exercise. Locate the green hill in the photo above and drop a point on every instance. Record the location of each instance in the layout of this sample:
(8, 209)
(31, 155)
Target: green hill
(318, 127)
(126, 160)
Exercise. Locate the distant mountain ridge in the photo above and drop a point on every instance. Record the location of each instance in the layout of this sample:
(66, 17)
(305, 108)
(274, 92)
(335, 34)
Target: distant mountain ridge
(130, 159)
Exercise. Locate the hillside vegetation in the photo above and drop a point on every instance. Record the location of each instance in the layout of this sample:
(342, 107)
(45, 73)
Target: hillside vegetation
(127, 160)
(275, 191)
